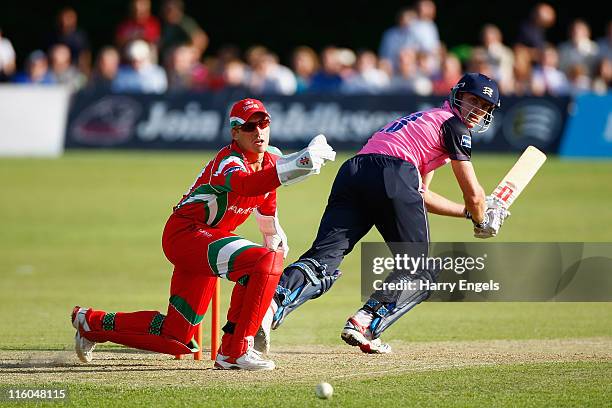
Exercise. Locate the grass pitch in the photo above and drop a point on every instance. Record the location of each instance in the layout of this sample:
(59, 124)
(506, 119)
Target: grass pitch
(86, 229)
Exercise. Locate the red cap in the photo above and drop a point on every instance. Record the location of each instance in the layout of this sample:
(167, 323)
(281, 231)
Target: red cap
(242, 111)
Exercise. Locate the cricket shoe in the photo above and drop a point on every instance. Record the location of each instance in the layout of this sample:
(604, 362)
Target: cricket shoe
(251, 360)
(261, 342)
(355, 334)
(84, 348)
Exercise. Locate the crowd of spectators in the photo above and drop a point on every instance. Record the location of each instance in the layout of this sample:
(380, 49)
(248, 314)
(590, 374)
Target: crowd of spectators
(154, 54)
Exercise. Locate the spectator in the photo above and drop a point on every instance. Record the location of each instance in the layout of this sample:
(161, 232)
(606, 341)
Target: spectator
(305, 63)
(217, 64)
(605, 43)
(234, 77)
(580, 49)
(547, 77)
(479, 62)
(37, 70)
(428, 64)
(499, 56)
(68, 33)
(7, 58)
(367, 78)
(179, 29)
(105, 70)
(141, 74)
(347, 59)
(184, 70)
(270, 77)
(62, 70)
(407, 78)
(425, 30)
(449, 75)
(578, 79)
(328, 78)
(522, 72)
(140, 25)
(603, 76)
(532, 32)
(398, 37)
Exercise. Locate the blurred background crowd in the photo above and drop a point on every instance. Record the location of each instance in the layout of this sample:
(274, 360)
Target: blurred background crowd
(166, 50)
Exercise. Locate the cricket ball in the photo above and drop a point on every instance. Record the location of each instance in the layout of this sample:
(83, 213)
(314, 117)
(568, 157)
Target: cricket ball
(324, 390)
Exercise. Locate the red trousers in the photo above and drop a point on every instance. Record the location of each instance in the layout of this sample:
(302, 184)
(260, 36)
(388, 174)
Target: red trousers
(200, 255)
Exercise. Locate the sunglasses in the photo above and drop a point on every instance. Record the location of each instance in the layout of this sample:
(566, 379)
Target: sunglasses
(251, 126)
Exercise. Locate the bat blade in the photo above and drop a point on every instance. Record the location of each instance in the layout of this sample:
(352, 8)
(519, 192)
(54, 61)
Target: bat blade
(515, 181)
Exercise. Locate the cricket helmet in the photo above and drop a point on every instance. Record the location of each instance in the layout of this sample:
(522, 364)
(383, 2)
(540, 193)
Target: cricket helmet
(482, 87)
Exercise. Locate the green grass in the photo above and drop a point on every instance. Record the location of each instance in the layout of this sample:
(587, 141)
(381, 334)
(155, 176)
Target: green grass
(526, 385)
(86, 229)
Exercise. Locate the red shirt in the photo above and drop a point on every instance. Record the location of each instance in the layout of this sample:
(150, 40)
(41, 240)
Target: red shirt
(228, 190)
(148, 30)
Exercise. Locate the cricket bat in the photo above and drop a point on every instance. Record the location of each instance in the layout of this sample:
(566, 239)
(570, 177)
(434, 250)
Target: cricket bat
(513, 183)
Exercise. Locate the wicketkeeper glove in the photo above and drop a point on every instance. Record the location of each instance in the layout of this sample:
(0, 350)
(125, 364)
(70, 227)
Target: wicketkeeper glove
(293, 168)
(495, 215)
(274, 237)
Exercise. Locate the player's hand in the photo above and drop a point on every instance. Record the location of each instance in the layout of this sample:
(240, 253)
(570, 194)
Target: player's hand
(274, 238)
(293, 168)
(495, 215)
(319, 148)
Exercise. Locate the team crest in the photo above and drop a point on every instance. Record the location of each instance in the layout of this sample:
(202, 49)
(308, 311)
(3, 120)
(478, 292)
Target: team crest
(304, 161)
(487, 91)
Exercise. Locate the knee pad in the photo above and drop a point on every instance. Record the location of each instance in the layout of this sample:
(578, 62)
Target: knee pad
(270, 263)
(301, 281)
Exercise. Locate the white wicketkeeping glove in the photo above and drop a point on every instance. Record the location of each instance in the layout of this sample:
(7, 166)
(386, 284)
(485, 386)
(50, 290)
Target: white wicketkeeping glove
(274, 237)
(295, 167)
(495, 215)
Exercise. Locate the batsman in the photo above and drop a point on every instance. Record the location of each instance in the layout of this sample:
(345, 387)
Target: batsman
(198, 240)
(387, 185)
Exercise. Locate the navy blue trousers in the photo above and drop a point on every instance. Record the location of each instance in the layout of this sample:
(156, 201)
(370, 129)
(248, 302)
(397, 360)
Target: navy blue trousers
(370, 190)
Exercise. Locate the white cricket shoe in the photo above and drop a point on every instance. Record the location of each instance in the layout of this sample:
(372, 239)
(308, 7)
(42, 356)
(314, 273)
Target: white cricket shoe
(262, 339)
(251, 360)
(84, 348)
(355, 334)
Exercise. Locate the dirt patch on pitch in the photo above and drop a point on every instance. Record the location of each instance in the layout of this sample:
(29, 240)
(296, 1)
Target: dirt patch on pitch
(295, 364)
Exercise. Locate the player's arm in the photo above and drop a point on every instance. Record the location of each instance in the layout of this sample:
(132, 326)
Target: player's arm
(253, 184)
(458, 142)
(473, 193)
(288, 169)
(437, 204)
(440, 205)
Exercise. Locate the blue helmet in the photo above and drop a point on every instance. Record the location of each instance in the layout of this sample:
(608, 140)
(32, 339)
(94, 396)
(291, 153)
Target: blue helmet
(484, 88)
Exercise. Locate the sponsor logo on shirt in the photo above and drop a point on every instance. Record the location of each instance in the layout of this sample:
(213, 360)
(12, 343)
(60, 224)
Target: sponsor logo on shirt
(466, 141)
(239, 210)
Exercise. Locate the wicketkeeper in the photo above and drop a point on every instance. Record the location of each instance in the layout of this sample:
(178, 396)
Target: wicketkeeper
(386, 185)
(198, 240)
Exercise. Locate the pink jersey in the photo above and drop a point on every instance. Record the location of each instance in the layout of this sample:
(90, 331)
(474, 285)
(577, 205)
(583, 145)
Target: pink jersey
(427, 139)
